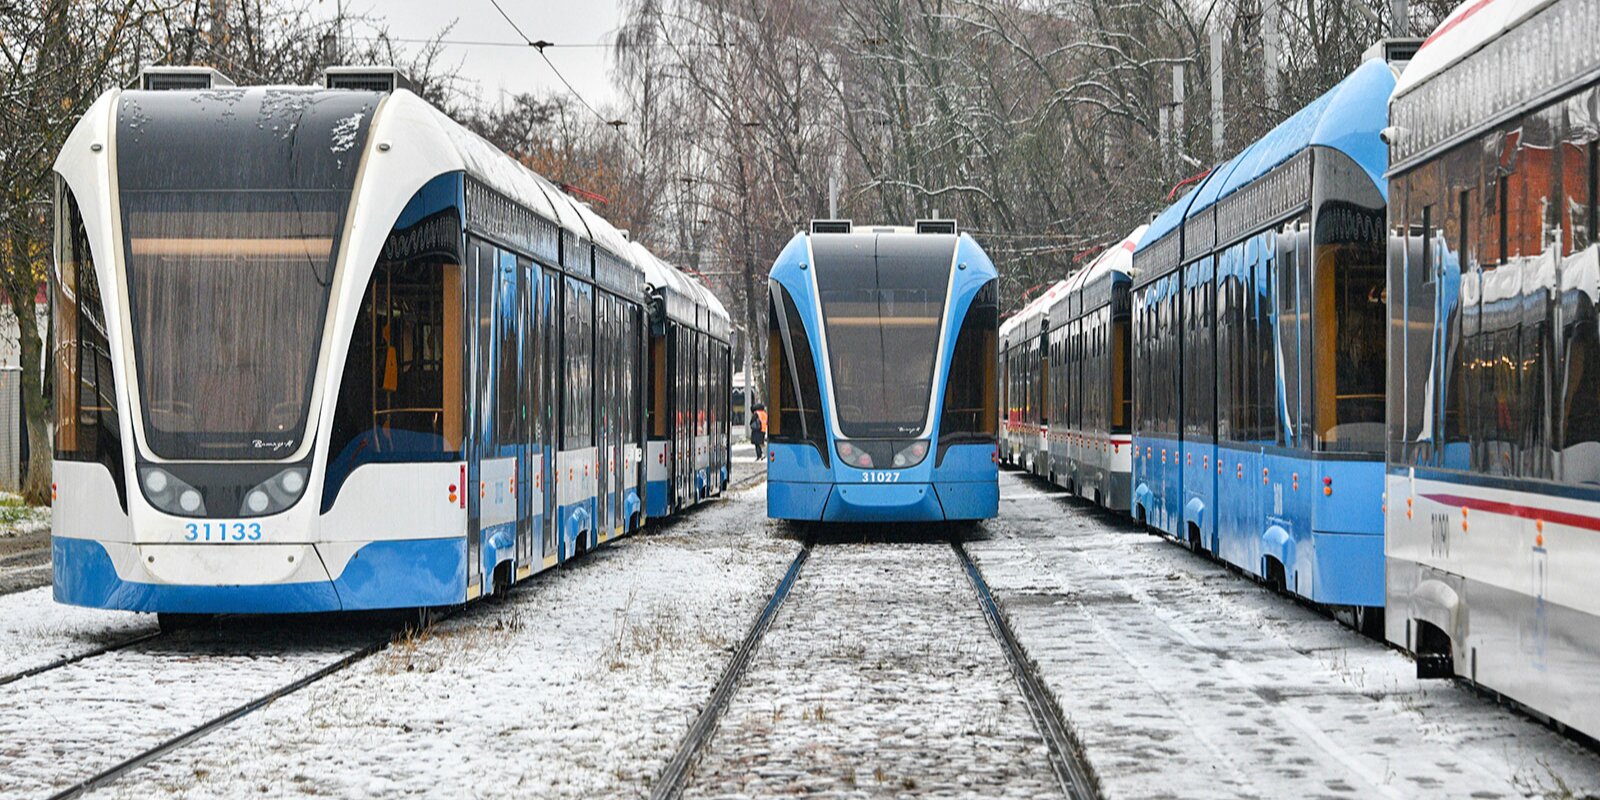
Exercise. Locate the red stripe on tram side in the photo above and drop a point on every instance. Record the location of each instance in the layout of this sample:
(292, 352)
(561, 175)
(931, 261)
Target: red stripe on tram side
(1514, 510)
(1445, 28)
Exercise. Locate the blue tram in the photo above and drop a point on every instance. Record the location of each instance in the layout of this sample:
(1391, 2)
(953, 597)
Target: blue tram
(351, 356)
(882, 346)
(1258, 339)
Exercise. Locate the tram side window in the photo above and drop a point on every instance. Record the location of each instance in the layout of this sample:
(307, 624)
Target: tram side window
(1577, 383)
(1350, 276)
(85, 390)
(1121, 374)
(796, 416)
(1290, 270)
(1263, 359)
(1419, 303)
(659, 381)
(402, 393)
(1397, 322)
(577, 412)
(968, 414)
(1233, 410)
(532, 368)
(509, 419)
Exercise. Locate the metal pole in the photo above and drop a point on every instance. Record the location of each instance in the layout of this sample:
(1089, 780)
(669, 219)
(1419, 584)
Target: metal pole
(1166, 137)
(1217, 130)
(1269, 50)
(1402, 17)
(1177, 105)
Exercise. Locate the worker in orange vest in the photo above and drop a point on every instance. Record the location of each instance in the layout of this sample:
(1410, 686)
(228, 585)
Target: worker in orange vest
(758, 430)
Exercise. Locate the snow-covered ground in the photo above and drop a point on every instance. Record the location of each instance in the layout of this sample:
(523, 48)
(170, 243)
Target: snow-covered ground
(1185, 680)
(879, 677)
(35, 630)
(579, 684)
(24, 545)
(65, 725)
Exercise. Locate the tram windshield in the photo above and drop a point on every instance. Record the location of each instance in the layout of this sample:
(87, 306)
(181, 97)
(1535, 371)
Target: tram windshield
(232, 206)
(882, 304)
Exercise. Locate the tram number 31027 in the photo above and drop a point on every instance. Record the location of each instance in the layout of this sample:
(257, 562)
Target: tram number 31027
(880, 477)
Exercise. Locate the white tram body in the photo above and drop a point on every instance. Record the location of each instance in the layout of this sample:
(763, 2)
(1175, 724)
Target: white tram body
(1024, 374)
(323, 349)
(1089, 388)
(1492, 500)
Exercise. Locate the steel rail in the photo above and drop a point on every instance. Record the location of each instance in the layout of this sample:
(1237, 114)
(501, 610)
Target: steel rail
(670, 783)
(1072, 770)
(113, 774)
(83, 656)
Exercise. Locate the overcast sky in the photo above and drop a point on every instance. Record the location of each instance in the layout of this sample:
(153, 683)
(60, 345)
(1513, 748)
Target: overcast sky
(510, 69)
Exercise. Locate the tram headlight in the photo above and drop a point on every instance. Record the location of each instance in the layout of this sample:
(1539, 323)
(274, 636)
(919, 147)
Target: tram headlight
(911, 455)
(156, 481)
(169, 493)
(274, 494)
(855, 456)
(257, 501)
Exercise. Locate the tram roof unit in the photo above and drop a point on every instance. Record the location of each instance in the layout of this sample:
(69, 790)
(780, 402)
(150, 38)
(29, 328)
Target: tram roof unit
(1160, 249)
(684, 300)
(1466, 30)
(1092, 286)
(1347, 118)
(526, 191)
(1489, 61)
(614, 263)
(1028, 321)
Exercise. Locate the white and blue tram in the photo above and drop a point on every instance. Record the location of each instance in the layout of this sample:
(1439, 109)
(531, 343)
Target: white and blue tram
(688, 451)
(321, 349)
(1089, 380)
(882, 347)
(1493, 483)
(1025, 373)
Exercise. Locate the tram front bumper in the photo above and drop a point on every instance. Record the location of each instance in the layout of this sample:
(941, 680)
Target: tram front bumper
(256, 579)
(893, 502)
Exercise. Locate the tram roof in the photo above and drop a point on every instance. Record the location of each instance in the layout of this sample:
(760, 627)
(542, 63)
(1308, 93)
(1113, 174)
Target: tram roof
(1467, 29)
(1346, 118)
(688, 301)
(1085, 294)
(1030, 314)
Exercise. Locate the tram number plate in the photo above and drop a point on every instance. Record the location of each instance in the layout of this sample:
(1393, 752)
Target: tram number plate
(222, 532)
(880, 477)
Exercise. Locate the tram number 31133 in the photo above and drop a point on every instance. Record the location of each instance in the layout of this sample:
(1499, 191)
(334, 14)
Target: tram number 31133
(880, 477)
(221, 532)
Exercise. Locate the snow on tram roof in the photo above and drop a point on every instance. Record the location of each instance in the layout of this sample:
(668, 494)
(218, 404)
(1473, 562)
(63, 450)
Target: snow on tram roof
(1466, 30)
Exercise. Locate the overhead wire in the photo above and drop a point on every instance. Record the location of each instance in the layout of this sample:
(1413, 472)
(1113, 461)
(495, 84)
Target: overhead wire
(540, 45)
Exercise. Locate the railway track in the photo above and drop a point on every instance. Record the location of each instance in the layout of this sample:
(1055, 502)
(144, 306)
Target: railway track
(83, 656)
(111, 775)
(178, 712)
(1066, 755)
(1067, 764)
(671, 781)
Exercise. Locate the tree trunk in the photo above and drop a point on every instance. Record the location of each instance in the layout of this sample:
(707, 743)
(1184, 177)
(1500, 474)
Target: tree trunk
(35, 395)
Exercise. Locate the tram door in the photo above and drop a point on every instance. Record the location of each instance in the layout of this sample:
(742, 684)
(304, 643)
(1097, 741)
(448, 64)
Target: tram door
(682, 416)
(549, 328)
(620, 403)
(603, 418)
(481, 279)
(527, 440)
(613, 437)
